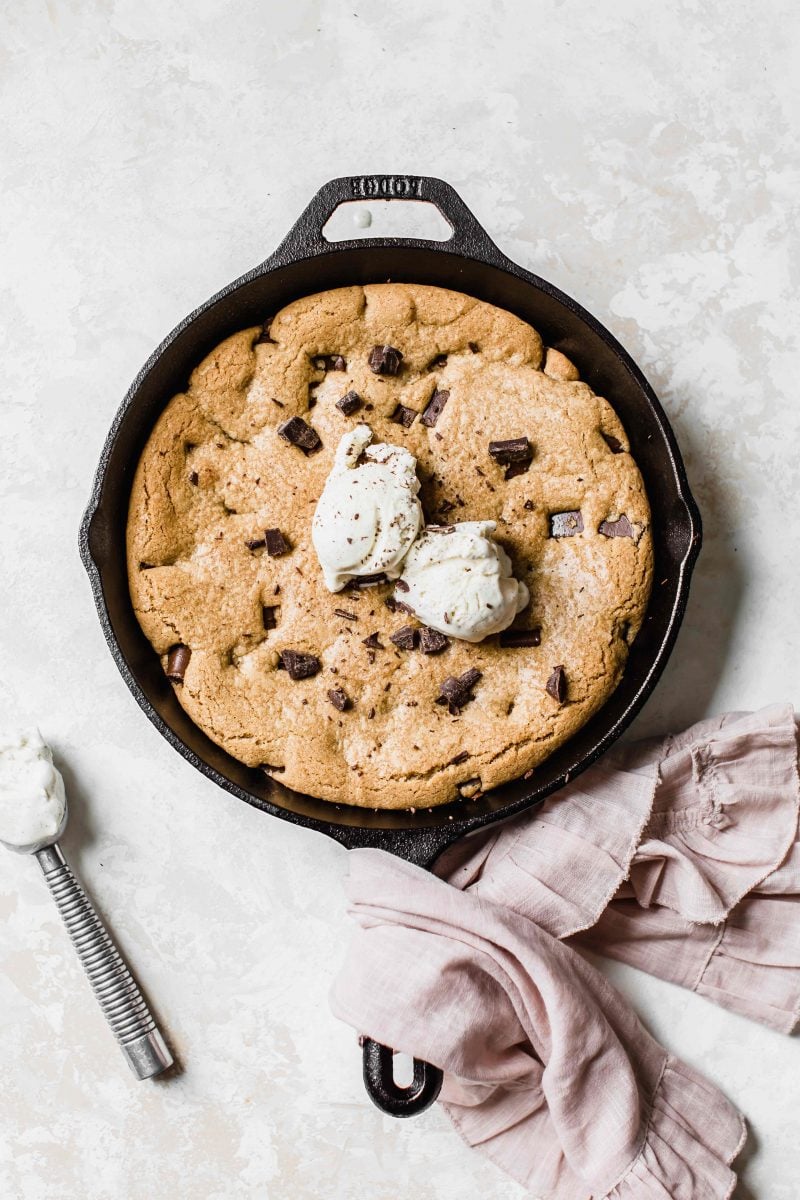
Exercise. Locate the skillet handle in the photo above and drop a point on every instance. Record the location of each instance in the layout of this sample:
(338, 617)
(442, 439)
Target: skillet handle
(387, 1095)
(305, 238)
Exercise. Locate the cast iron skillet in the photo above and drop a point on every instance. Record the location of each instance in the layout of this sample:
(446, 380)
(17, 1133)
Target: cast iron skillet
(469, 262)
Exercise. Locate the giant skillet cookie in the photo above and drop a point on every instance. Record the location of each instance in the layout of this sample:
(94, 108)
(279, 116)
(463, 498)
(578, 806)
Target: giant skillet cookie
(310, 685)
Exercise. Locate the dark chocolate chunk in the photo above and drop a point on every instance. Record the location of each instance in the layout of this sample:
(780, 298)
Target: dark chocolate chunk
(434, 408)
(456, 691)
(146, 566)
(513, 450)
(384, 360)
(194, 478)
(296, 432)
(256, 543)
(528, 505)
(437, 363)
(459, 758)
(268, 616)
(614, 444)
(405, 638)
(264, 336)
(512, 638)
(344, 614)
(373, 642)
(403, 416)
(556, 685)
(474, 347)
(177, 662)
(514, 469)
(350, 402)
(340, 699)
(566, 524)
(431, 641)
(619, 528)
(300, 666)
(276, 543)
(329, 362)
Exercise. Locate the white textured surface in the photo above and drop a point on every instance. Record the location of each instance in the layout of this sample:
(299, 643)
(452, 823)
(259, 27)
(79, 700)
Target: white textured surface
(642, 157)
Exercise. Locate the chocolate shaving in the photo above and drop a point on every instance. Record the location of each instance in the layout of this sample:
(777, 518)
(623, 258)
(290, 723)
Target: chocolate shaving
(513, 450)
(431, 641)
(459, 758)
(329, 362)
(434, 408)
(364, 581)
(177, 662)
(402, 586)
(456, 691)
(268, 616)
(619, 528)
(276, 543)
(349, 403)
(566, 524)
(340, 699)
(256, 543)
(513, 638)
(405, 638)
(373, 642)
(296, 432)
(194, 478)
(300, 666)
(556, 685)
(614, 444)
(384, 360)
(403, 416)
(264, 336)
(344, 614)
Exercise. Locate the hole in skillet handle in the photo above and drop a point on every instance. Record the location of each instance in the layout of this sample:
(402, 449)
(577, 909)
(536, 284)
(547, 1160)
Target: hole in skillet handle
(389, 1096)
(306, 236)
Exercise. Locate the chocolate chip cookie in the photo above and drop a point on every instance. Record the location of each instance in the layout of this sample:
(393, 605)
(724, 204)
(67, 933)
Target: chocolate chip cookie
(347, 696)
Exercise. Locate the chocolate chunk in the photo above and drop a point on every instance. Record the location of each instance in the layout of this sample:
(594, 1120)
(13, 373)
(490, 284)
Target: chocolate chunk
(456, 691)
(264, 336)
(364, 581)
(344, 614)
(437, 363)
(474, 347)
(146, 566)
(256, 543)
(350, 402)
(177, 662)
(513, 450)
(329, 362)
(268, 616)
(405, 638)
(619, 528)
(512, 638)
(434, 408)
(566, 524)
(403, 416)
(514, 469)
(276, 543)
(528, 505)
(459, 758)
(340, 699)
(384, 360)
(300, 666)
(402, 586)
(556, 685)
(431, 641)
(614, 444)
(373, 642)
(296, 432)
(194, 478)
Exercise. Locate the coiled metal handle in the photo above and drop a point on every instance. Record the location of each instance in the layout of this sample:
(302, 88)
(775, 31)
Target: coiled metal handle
(117, 992)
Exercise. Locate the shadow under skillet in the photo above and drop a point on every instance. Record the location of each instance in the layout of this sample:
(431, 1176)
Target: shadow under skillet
(687, 689)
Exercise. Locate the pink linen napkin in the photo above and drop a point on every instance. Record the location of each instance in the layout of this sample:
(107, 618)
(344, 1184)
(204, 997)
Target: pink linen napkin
(679, 856)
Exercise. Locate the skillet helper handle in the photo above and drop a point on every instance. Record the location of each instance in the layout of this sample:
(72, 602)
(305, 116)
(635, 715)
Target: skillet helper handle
(387, 1095)
(117, 992)
(306, 237)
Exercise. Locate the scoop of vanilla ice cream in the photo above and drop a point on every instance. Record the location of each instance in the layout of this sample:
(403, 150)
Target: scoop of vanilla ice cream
(32, 798)
(368, 514)
(459, 581)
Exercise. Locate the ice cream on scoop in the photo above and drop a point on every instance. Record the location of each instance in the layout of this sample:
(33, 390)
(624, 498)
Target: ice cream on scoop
(458, 580)
(368, 514)
(32, 798)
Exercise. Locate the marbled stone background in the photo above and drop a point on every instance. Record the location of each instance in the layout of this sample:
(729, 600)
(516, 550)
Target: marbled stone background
(643, 157)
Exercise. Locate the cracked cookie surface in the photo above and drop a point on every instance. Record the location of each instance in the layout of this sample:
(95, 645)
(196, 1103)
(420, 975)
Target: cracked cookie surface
(216, 477)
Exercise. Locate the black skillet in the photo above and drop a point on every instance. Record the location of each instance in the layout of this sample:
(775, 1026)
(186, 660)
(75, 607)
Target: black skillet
(468, 262)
